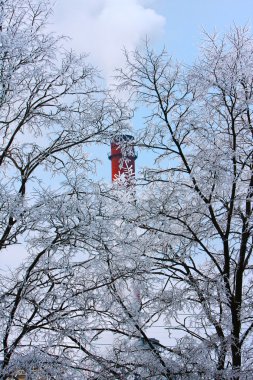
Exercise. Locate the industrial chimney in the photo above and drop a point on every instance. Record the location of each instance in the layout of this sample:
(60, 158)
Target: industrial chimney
(123, 157)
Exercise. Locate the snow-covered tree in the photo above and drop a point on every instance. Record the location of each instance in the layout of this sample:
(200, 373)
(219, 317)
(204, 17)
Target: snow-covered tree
(193, 212)
(51, 109)
(101, 259)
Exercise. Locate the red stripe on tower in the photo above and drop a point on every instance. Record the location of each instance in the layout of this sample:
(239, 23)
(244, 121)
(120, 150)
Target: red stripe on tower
(123, 157)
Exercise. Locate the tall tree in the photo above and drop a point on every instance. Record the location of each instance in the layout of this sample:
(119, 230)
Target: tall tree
(194, 216)
(101, 259)
(51, 109)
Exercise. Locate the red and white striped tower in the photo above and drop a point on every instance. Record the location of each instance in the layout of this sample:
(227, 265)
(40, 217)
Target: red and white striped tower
(123, 157)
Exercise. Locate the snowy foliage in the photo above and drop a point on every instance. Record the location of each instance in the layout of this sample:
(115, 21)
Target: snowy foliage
(51, 109)
(196, 215)
(104, 263)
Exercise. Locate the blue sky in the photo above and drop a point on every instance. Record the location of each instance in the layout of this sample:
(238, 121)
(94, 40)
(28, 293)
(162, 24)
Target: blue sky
(185, 20)
(103, 27)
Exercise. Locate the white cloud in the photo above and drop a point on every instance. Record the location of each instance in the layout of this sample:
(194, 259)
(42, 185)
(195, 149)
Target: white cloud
(103, 27)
